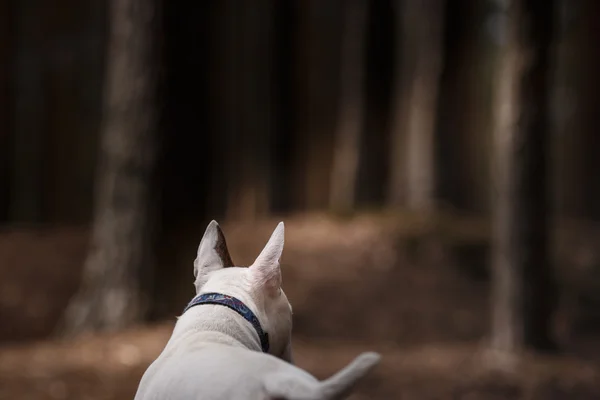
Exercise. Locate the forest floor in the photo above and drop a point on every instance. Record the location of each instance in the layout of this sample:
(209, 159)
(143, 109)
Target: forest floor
(109, 367)
(417, 293)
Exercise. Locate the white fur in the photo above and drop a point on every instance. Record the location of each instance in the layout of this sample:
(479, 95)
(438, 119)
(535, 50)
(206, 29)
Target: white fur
(215, 354)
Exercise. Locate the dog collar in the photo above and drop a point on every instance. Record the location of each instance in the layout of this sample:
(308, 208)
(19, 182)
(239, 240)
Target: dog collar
(237, 306)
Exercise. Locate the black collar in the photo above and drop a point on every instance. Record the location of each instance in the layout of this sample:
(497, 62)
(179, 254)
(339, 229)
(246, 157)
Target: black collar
(237, 306)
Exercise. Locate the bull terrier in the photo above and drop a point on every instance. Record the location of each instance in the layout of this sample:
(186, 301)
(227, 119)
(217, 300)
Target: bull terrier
(233, 340)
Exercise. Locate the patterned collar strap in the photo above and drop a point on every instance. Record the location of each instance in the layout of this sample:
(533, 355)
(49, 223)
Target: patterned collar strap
(237, 306)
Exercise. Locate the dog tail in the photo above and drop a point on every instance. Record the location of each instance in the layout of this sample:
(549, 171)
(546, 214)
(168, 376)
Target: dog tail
(341, 384)
(337, 387)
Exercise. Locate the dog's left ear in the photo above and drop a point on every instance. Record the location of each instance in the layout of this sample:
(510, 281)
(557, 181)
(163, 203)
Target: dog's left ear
(212, 253)
(265, 270)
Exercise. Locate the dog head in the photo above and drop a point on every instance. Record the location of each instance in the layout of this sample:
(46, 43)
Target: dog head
(258, 286)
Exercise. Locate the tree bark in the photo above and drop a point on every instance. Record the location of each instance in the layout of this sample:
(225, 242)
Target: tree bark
(110, 296)
(523, 286)
(352, 108)
(415, 112)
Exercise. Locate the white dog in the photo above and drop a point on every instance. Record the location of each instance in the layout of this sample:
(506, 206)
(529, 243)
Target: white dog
(233, 340)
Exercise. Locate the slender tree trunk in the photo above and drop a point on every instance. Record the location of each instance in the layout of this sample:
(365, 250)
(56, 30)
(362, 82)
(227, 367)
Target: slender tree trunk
(282, 146)
(403, 62)
(523, 286)
(352, 107)
(588, 98)
(415, 111)
(252, 108)
(29, 114)
(6, 39)
(422, 112)
(91, 90)
(316, 73)
(576, 98)
(373, 168)
(464, 138)
(110, 296)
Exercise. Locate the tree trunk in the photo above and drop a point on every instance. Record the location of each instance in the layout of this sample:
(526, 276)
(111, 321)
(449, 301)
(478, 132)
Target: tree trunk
(373, 168)
(6, 39)
(252, 108)
(588, 97)
(282, 146)
(422, 105)
(576, 98)
(110, 296)
(419, 65)
(352, 107)
(523, 286)
(316, 74)
(464, 139)
(403, 62)
(29, 114)
(73, 91)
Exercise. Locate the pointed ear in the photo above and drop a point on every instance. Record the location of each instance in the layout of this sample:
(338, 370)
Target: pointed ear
(266, 271)
(212, 253)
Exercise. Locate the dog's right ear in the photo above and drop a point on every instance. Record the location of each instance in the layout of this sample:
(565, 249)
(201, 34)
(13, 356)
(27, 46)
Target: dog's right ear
(212, 253)
(265, 270)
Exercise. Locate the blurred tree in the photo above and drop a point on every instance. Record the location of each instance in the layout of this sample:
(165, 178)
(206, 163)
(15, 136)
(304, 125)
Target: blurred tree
(586, 118)
(373, 168)
(351, 108)
(250, 123)
(316, 74)
(523, 290)
(73, 82)
(463, 139)
(567, 141)
(403, 65)
(419, 66)
(110, 296)
(575, 118)
(30, 112)
(5, 105)
(282, 146)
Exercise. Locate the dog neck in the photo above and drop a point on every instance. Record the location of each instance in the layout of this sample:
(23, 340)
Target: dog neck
(237, 306)
(220, 319)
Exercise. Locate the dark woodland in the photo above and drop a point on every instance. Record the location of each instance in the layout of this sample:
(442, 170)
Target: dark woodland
(434, 162)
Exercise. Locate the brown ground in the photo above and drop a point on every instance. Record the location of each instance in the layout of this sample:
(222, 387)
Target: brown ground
(108, 367)
(418, 295)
